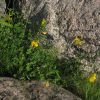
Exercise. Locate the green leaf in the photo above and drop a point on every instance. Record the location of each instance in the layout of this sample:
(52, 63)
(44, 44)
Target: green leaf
(2, 22)
(43, 23)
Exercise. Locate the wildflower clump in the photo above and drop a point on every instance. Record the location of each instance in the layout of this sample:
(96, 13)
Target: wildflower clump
(78, 41)
(35, 43)
(92, 78)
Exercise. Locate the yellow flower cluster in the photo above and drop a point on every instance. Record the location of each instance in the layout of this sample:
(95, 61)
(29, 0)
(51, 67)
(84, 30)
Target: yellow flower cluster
(92, 78)
(35, 43)
(78, 41)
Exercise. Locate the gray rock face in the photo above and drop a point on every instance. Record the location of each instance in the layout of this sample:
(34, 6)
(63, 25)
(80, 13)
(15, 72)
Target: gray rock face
(2, 6)
(11, 89)
(65, 15)
(67, 19)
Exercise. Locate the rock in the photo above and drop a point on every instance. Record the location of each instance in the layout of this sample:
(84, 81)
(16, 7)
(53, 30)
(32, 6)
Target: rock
(12, 89)
(2, 7)
(65, 16)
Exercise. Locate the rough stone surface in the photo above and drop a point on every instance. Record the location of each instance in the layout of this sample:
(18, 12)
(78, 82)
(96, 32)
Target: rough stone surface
(11, 89)
(65, 16)
(2, 6)
(67, 19)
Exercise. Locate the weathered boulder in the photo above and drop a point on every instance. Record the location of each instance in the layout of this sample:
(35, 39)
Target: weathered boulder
(12, 89)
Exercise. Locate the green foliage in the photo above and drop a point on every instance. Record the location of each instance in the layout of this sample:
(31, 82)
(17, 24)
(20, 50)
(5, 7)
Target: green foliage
(18, 57)
(87, 90)
(11, 44)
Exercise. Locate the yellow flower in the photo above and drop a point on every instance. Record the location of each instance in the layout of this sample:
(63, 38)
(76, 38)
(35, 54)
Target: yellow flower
(92, 78)
(44, 33)
(35, 43)
(78, 41)
(46, 84)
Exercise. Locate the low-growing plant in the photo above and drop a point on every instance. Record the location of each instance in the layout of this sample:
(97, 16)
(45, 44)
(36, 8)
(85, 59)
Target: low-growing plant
(88, 88)
(24, 54)
(73, 79)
